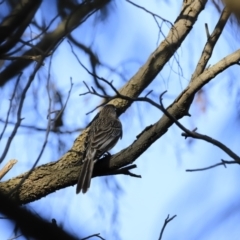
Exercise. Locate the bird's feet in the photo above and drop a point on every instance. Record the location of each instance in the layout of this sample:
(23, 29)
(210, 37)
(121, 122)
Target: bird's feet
(106, 155)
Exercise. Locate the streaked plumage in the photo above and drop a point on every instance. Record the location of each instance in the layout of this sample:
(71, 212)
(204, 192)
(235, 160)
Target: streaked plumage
(105, 130)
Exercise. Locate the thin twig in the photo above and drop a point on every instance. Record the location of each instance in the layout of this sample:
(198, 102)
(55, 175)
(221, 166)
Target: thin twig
(13, 238)
(40, 129)
(19, 112)
(123, 171)
(24, 57)
(167, 220)
(46, 135)
(155, 17)
(196, 135)
(93, 235)
(65, 104)
(207, 31)
(47, 130)
(223, 162)
(10, 106)
(153, 14)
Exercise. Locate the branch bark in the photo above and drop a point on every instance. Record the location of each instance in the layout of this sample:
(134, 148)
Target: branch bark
(31, 225)
(50, 40)
(7, 167)
(50, 177)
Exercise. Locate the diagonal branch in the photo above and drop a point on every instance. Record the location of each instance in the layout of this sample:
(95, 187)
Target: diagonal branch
(223, 162)
(167, 220)
(15, 19)
(50, 40)
(210, 44)
(50, 177)
(187, 132)
(157, 60)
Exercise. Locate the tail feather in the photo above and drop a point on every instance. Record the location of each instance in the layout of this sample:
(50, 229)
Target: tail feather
(85, 175)
(87, 182)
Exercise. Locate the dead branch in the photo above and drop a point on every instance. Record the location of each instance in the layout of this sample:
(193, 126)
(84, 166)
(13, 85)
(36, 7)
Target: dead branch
(7, 167)
(222, 163)
(93, 235)
(167, 220)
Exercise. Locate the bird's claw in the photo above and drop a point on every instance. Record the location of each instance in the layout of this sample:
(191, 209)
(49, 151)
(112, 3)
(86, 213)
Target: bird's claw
(106, 155)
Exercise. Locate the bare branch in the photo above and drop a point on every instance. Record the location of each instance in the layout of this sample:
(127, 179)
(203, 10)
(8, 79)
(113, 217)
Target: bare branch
(123, 171)
(223, 162)
(194, 134)
(210, 44)
(65, 104)
(155, 16)
(47, 131)
(31, 225)
(65, 175)
(10, 106)
(7, 167)
(26, 57)
(51, 40)
(19, 112)
(167, 220)
(42, 129)
(93, 235)
(187, 133)
(162, 54)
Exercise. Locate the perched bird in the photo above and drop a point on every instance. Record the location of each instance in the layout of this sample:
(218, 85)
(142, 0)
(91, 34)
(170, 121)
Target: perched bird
(105, 130)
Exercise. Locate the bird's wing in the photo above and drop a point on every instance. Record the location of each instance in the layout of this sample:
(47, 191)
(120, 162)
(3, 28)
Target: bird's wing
(105, 134)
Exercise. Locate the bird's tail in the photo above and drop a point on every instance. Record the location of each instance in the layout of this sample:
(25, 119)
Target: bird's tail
(85, 175)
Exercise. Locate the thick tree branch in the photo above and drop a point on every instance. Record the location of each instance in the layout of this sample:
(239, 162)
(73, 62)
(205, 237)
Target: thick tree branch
(50, 40)
(187, 132)
(50, 177)
(22, 10)
(163, 53)
(30, 225)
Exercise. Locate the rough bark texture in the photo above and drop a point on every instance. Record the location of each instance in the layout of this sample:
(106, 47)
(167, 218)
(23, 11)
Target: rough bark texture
(50, 177)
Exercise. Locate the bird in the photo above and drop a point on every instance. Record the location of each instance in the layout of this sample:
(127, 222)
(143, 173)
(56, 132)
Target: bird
(105, 131)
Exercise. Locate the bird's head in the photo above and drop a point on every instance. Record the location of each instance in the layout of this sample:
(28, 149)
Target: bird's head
(109, 110)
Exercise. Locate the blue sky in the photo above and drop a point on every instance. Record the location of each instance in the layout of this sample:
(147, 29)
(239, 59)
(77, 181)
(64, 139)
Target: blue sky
(206, 203)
